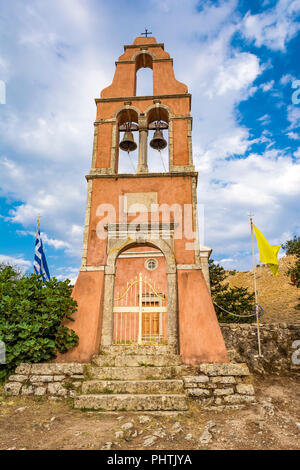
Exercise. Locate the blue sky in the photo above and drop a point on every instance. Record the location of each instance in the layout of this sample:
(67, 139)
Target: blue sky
(238, 58)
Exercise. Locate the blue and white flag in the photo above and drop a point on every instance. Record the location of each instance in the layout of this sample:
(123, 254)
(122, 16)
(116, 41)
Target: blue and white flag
(40, 263)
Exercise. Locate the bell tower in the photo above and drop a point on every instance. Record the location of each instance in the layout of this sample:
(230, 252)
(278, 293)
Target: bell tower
(143, 278)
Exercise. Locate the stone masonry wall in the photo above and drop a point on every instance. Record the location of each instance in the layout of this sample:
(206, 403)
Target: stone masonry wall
(220, 386)
(51, 380)
(278, 344)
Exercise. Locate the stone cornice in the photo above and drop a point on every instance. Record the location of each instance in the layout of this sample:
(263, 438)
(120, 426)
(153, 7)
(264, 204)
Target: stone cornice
(95, 175)
(143, 98)
(133, 61)
(148, 44)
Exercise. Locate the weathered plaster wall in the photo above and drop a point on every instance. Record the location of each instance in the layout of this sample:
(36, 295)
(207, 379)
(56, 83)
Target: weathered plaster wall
(200, 338)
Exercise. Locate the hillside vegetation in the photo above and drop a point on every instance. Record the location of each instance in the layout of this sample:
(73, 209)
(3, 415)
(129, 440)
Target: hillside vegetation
(276, 294)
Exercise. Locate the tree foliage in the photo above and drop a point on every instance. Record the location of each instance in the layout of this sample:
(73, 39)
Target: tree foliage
(292, 247)
(32, 314)
(237, 300)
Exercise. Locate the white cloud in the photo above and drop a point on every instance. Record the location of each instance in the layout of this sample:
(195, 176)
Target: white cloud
(18, 261)
(293, 135)
(265, 119)
(274, 27)
(267, 86)
(47, 132)
(287, 78)
(266, 185)
(67, 273)
(293, 116)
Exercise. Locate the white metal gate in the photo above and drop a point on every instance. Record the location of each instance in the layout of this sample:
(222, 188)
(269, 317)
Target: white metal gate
(140, 314)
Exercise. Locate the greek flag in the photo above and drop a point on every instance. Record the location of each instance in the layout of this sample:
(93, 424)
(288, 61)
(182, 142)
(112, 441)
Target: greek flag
(40, 263)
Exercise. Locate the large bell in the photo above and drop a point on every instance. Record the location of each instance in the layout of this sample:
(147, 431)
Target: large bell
(158, 142)
(128, 144)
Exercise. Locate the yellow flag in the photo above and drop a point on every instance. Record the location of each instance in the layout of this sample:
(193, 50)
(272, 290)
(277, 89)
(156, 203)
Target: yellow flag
(267, 253)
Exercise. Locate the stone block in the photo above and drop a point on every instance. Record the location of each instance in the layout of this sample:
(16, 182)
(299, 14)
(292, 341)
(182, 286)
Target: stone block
(57, 389)
(57, 369)
(18, 378)
(223, 391)
(198, 392)
(223, 380)
(23, 369)
(40, 378)
(40, 391)
(27, 390)
(12, 388)
(231, 369)
(195, 379)
(233, 399)
(245, 389)
(58, 378)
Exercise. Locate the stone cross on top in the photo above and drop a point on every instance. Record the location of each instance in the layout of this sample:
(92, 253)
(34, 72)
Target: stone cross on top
(146, 33)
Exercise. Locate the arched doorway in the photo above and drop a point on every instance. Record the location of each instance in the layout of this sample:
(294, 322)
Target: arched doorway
(140, 308)
(117, 246)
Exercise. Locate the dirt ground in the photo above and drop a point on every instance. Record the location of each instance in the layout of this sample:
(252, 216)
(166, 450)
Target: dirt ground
(272, 423)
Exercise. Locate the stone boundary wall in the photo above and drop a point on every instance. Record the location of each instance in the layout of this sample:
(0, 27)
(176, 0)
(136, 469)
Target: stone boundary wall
(221, 386)
(277, 344)
(50, 380)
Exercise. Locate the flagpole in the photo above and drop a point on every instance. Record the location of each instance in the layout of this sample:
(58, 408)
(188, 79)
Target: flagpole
(37, 232)
(37, 226)
(255, 288)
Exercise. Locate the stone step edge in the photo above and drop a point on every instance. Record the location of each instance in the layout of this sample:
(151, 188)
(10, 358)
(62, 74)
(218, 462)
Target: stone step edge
(131, 395)
(133, 380)
(176, 384)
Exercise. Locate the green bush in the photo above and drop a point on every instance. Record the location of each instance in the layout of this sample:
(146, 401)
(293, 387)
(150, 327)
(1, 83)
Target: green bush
(32, 314)
(236, 300)
(292, 247)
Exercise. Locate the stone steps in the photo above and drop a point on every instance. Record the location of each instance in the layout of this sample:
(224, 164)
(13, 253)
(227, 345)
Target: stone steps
(134, 378)
(138, 373)
(137, 360)
(132, 386)
(135, 350)
(130, 402)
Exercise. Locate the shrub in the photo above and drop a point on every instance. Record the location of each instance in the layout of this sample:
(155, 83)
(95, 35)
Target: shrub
(237, 300)
(31, 318)
(292, 247)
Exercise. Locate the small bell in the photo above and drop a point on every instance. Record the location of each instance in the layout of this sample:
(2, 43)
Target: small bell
(128, 144)
(158, 142)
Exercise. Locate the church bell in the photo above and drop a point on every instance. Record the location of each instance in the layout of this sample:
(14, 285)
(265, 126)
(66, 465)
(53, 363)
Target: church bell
(128, 144)
(158, 142)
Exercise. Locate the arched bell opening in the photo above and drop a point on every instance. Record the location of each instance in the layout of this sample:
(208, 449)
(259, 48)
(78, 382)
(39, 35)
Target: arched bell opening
(158, 140)
(144, 74)
(127, 141)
